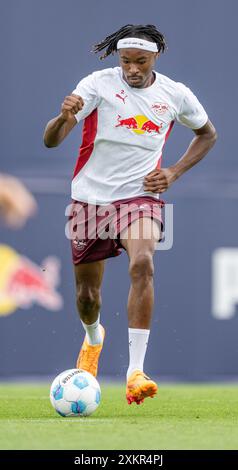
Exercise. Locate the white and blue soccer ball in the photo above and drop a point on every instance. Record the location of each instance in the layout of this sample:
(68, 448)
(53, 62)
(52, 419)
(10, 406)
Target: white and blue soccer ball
(75, 392)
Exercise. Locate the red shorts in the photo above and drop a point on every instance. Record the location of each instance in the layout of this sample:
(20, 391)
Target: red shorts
(94, 230)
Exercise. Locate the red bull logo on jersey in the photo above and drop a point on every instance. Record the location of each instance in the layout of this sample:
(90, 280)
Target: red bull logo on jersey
(23, 283)
(139, 124)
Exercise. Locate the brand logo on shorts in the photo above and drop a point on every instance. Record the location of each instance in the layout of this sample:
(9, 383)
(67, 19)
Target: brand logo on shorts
(79, 244)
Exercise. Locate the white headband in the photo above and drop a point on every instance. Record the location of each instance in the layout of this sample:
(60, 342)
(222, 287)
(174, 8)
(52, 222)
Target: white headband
(137, 43)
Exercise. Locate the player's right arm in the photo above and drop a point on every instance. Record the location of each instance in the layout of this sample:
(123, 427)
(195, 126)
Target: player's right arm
(59, 127)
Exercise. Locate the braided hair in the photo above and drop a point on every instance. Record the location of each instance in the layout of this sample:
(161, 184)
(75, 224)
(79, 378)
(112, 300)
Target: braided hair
(148, 31)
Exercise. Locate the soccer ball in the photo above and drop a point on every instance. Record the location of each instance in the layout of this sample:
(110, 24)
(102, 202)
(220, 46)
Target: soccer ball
(75, 392)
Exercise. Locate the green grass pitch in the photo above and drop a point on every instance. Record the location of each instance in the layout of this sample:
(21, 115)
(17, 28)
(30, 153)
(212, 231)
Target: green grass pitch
(180, 417)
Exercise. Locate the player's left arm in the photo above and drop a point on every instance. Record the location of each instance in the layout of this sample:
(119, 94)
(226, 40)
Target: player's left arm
(158, 181)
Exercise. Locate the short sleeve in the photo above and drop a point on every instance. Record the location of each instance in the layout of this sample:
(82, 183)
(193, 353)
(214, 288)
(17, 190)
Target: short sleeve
(87, 89)
(191, 113)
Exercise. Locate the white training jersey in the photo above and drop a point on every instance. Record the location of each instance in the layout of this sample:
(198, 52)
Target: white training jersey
(124, 133)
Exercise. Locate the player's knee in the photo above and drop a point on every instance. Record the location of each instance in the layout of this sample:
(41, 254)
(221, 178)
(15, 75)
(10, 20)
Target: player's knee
(141, 267)
(88, 299)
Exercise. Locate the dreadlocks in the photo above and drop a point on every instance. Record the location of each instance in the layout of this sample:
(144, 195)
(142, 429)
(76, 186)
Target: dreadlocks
(148, 31)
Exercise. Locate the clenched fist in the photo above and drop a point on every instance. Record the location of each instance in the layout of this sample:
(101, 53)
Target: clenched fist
(72, 105)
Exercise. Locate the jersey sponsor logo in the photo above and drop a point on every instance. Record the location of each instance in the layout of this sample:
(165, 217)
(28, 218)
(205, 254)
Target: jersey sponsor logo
(139, 124)
(160, 108)
(122, 96)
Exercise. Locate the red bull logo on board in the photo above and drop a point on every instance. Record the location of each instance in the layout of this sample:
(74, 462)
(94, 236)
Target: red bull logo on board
(23, 283)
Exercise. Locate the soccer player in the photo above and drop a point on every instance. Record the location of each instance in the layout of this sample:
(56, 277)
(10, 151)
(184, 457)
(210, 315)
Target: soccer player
(128, 113)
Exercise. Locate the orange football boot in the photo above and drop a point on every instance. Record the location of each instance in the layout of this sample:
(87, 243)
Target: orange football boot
(89, 355)
(139, 387)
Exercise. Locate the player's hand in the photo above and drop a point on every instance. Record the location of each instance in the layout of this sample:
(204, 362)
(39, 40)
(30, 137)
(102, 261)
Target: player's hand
(72, 105)
(17, 204)
(158, 181)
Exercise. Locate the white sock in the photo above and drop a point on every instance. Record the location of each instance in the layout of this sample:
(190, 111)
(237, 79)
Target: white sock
(138, 340)
(93, 332)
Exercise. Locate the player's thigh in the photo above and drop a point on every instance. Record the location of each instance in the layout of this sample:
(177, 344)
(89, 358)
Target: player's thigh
(140, 237)
(89, 276)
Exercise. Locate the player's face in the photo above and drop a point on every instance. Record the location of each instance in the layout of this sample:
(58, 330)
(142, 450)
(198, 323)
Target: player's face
(137, 66)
